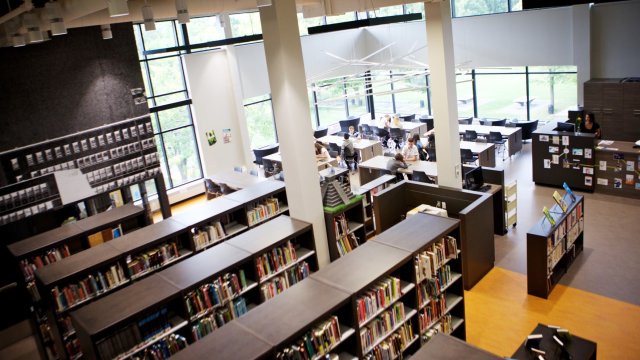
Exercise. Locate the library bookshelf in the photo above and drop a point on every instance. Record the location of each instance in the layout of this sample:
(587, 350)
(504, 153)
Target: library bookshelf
(199, 295)
(329, 305)
(551, 249)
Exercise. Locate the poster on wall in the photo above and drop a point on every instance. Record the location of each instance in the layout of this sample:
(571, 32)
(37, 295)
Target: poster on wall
(629, 179)
(603, 165)
(554, 149)
(547, 163)
(588, 180)
(602, 181)
(211, 137)
(630, 165)
(544, 138)
(617, 183)
(587, 170)
(555, 140)
(565, 140)
(226, 135)
(555, 159)
(587, 153)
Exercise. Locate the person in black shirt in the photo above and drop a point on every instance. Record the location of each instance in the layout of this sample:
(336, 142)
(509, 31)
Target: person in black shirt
(589, 125)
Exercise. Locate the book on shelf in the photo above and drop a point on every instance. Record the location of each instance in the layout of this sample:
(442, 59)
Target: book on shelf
(346, 244)
(219, 317)
(429, 261)
(164, 348)
(548, 216)
(215, 293)
(377, 297)
(318, 341)
(433, 311)
(560, 201)
(431, 287)
(208, 235)
(282, 282)
(152, 258)
(272, 261)
(381, 326)
(88, 287)
(393, 346)
(29, 266)
(262, 210)
(568, 190)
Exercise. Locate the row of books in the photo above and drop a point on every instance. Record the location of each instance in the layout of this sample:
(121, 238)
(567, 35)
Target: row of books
(272, 261)
(29, 266)
(379, 296)
(220, 317)
(163, 349)
(208, 235)
(119, 343)
(281, 283)
(269, 207)
(216, 293)
(381, 326)
(574, 232)
(433, 311)
(73, 348)
(346, 244)
(429, 261)
(153, 324)
(392, 347)
(319, 341)
(555, 257)
(105, 235)
(341, 225)
(88, 287)
(432, 287)
(152, 258)
(64, 322)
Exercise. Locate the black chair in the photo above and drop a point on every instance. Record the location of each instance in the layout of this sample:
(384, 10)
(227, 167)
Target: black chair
(344, 124)
(427, 119)
(528, 127)
(320, 132)
(495, 137)
(365, 131)
(270, 167)
(397, 135)
(465, 121)
(501, 122)
(382, 135)
(431, 154)
(211, 189)
(421, 177)
(264, 151)
(334, 147)
(407, 117)
(467, 157)
(470, 135)
(333, 153)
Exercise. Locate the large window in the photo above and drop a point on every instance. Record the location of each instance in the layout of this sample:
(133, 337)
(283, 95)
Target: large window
(501, 93)
(552, 91)
(483, 7)
(260, 122)
(245, 24)
(410, 91)
(382, 97)
(331, 101)
(464, 90)
(169, 101)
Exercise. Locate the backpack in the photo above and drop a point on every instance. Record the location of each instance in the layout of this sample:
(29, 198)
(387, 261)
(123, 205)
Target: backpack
(348, 151)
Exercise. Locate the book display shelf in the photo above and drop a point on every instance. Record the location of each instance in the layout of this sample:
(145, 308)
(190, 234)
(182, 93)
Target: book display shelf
(552, 248)
(368, 190)
(199, 295)
(262, 201)
(361, 306)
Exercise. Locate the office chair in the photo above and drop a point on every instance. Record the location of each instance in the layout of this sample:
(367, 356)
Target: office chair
(431, 154)
(408, 118)
(495, 137)
(211, 189)
(334, 154)
(397, 135)
(465, 121)
(382, 135)
(467, 157)
(334, 147)
(365, 131)
(528, 127)
(264, 151)
(427, 119)
(470, 135)
(320, 132)
(502, 122)
(421, 177)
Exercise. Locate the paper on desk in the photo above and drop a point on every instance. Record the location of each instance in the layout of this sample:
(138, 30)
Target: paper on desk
(605, 142)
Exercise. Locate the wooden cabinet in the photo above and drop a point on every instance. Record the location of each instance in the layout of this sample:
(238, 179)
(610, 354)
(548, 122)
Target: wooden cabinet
(616, 106)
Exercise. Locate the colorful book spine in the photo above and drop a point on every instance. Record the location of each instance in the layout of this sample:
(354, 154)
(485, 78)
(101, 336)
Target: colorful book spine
(381, 326)
(87, 288)
(315, 343)
(379, 296)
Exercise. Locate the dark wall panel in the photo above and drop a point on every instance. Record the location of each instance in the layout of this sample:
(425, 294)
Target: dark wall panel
(71, 83)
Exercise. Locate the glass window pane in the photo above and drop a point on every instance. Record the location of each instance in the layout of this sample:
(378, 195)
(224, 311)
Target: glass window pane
(387, 11)
(475, 7)
(145, 78)
(501, 96)
(516, 5)
(350, 16)
(381, 87)
(464, 89)
(555, 69)
(331, 101)
(260, 123)
(553, 95)
(173, 118)
(414, 8)
(138, 36)
(410, 92)
(501, 70)
(305, 24)
(164, 36)
(170, 99)
(163, 164)
(312, 109)
(204, 29)
(356, 98)
(166, 75)
(245, 24)
(182, 155)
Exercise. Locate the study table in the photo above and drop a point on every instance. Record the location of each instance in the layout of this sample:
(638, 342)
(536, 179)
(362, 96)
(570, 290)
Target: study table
(512, 134)
(377, 166)
(322, 164)
(485, 151)
(366, 148)
(236, 180)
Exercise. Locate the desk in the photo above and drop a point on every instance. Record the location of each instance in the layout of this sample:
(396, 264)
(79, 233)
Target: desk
(366, 148)
(375, 167)
(513, 135)
(236, 179)
(485, 151)
(322, 164)
(411, 128)
(579, 348)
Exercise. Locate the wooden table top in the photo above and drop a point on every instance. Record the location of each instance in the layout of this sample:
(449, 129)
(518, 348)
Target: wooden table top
(236, 179)
(357, 143)
(380, 163)
(484, 129)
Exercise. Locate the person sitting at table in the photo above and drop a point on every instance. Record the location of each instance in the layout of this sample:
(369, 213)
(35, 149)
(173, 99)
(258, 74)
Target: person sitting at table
(321, 152)
(396, 163)
(410, 151)
(590, 126)
(349, 155)
(422, 152)
(353, 133)
(384, 122)
(396, 123)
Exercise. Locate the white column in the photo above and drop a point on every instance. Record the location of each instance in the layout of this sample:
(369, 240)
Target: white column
(581, 30)
(443, 92)
(291, 109)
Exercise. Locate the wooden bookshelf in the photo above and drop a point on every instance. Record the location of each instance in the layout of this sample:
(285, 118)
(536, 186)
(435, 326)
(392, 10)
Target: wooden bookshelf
(368, 190)
(186, 277)
(446, 347)
(354, 216)
(258, 195)
(551, 249)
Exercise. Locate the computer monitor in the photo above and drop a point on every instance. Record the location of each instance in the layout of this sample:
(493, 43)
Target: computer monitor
(473, 180)
(568, 127)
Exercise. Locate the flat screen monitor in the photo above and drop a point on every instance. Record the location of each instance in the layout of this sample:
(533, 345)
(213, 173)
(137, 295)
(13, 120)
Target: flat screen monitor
(568, 127)
(473, 180)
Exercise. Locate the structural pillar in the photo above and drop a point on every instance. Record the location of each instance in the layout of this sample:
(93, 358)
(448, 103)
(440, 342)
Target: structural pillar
(442, 79)
(293, 122)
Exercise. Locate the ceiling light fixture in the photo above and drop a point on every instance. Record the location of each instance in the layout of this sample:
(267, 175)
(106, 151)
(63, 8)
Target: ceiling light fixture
(32, 23)
(182, 11)
(54, 14)
(147, 15)
(118, 8)
(106, 32)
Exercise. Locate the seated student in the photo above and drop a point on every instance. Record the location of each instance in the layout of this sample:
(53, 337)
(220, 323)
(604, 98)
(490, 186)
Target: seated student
(410, 151)
(396, 123)
(396, 163)
(349, 154)
(384, 122)
(422, 152)
(589, 125)
(321, 152)
(353, 133)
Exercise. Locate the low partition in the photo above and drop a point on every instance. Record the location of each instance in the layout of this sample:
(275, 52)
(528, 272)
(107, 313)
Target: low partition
(562, 156)
(474, 209)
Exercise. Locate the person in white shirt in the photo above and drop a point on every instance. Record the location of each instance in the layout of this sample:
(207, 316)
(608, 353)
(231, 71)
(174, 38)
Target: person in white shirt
(396, 123)
(410, 151)
(384, 122)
